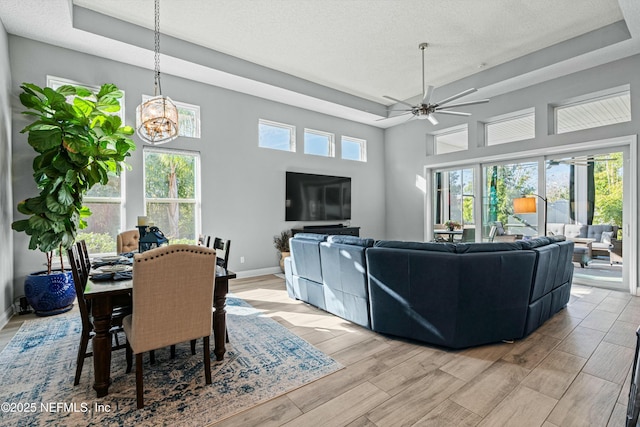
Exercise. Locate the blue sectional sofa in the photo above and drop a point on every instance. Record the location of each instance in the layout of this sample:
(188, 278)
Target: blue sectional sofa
(452, 295)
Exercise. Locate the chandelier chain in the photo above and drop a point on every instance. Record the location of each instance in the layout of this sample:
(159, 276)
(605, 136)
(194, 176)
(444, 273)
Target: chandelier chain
(157, 88)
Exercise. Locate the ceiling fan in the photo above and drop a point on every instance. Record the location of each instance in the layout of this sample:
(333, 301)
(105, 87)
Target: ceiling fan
(426, 110)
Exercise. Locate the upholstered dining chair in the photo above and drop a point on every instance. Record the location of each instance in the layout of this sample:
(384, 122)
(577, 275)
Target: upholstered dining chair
(80, 281)
(172, 294)
(127, 241)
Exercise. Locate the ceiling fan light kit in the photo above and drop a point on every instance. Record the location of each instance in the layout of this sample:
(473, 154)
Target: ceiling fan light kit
(426, 110)
(157, 118)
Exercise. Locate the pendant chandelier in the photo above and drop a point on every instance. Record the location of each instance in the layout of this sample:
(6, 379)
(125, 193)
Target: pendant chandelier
(157, 118)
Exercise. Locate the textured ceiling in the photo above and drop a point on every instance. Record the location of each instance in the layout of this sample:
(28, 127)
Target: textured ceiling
(339, 57)
(369, 48)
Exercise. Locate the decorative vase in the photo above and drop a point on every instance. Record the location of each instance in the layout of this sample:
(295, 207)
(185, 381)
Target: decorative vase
(283, 255)
(50, 294)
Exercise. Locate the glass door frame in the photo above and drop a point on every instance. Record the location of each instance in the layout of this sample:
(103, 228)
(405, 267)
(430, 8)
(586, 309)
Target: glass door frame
(625, 144)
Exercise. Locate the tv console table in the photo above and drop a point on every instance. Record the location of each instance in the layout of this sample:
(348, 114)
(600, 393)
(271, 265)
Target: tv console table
(327, 229)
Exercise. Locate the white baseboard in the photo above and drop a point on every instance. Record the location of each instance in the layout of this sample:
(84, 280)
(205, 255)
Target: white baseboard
(6, 316)
(258, 272)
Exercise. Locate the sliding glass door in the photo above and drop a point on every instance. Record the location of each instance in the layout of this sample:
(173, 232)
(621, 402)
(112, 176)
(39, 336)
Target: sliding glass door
(504, 183)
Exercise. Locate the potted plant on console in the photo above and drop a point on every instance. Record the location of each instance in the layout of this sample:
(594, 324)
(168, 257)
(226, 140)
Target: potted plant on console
(452, 225)
(281, 243)
(78, 142)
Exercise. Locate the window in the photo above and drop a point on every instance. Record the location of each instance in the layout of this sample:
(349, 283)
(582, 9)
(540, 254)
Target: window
(172, 193)
(593, 112)
(106, 202)
(450, 140)
(188, 118)
(104, 224)
(319, 143)
(354, 149)
(515, 127)
(277, 136)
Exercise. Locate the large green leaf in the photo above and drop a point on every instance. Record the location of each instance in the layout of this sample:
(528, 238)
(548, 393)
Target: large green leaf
(43, 140)
(65, 197)
(21, 225)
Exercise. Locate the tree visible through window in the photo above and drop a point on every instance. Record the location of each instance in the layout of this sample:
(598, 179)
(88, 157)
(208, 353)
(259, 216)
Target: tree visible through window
(172, 197)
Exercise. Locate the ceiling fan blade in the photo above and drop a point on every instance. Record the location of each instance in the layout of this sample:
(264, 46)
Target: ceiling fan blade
(427, 95)
(432, 119)
(453, 113)
(462, 104)
(398, 101)
(459, 95)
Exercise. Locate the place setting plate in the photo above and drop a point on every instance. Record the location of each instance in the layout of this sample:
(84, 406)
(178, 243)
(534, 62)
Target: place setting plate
(112, 258)
(118, 268)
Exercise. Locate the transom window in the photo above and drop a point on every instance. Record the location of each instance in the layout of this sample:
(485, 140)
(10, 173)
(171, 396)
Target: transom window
(597, 110)
(319, 143)
(515, 127)
(277, 136)
(354, 149)
(451, 140)
(172, 192)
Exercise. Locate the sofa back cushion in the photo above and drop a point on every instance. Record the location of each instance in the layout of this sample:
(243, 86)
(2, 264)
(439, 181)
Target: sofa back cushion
(305, 255)
(418, 246)
(575, 230)
(595, 231)
(351, 240)
(555, 229)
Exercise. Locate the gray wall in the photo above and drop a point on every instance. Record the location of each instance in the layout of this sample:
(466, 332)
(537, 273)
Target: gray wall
(242, 185)
(6, 200)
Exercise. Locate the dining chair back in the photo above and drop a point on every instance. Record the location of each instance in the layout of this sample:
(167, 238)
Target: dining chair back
(222, 248)
(80, 279)
(127, 241)
(163, 313)
(204, 240)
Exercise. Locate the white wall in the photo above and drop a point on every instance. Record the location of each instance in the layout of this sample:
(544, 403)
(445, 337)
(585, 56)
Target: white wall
(406, 144)
(243, 185)
(6, 199)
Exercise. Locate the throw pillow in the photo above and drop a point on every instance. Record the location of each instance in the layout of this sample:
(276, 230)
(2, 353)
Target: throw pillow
(607, 236)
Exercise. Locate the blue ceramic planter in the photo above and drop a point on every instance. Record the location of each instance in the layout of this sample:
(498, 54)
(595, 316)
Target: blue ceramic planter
(50, 294)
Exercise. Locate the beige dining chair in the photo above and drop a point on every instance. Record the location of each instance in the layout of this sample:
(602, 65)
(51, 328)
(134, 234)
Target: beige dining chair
(172, 294)
(127, 241)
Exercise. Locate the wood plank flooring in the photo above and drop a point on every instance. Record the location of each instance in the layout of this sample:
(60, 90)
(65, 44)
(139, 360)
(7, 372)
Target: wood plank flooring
(573, 371)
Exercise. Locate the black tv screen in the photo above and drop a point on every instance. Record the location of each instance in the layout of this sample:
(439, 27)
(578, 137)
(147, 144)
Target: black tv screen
(312, 197)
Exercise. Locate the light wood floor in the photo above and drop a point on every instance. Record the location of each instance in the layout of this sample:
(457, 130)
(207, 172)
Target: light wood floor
(573, 371)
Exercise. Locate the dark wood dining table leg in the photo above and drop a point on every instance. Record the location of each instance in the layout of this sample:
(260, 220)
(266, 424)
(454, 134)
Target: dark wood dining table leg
(220, 317)
(101, 310)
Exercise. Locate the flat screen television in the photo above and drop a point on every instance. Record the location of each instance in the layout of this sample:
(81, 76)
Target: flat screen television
(311, 197)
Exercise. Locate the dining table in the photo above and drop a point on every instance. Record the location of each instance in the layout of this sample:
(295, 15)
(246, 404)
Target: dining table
(102, 294)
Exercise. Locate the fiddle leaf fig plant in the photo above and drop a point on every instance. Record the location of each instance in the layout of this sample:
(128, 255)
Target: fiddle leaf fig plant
(79, 142)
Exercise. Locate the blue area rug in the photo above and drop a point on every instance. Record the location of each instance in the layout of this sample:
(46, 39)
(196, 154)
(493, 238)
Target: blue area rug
(263, 360)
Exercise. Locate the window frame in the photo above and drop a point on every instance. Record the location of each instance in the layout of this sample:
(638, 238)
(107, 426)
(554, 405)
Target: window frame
(331, 141)
(290, 128)
(361, 142)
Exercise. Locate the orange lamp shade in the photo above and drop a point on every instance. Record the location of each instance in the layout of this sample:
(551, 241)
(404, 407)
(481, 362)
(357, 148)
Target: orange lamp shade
(524, 205)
